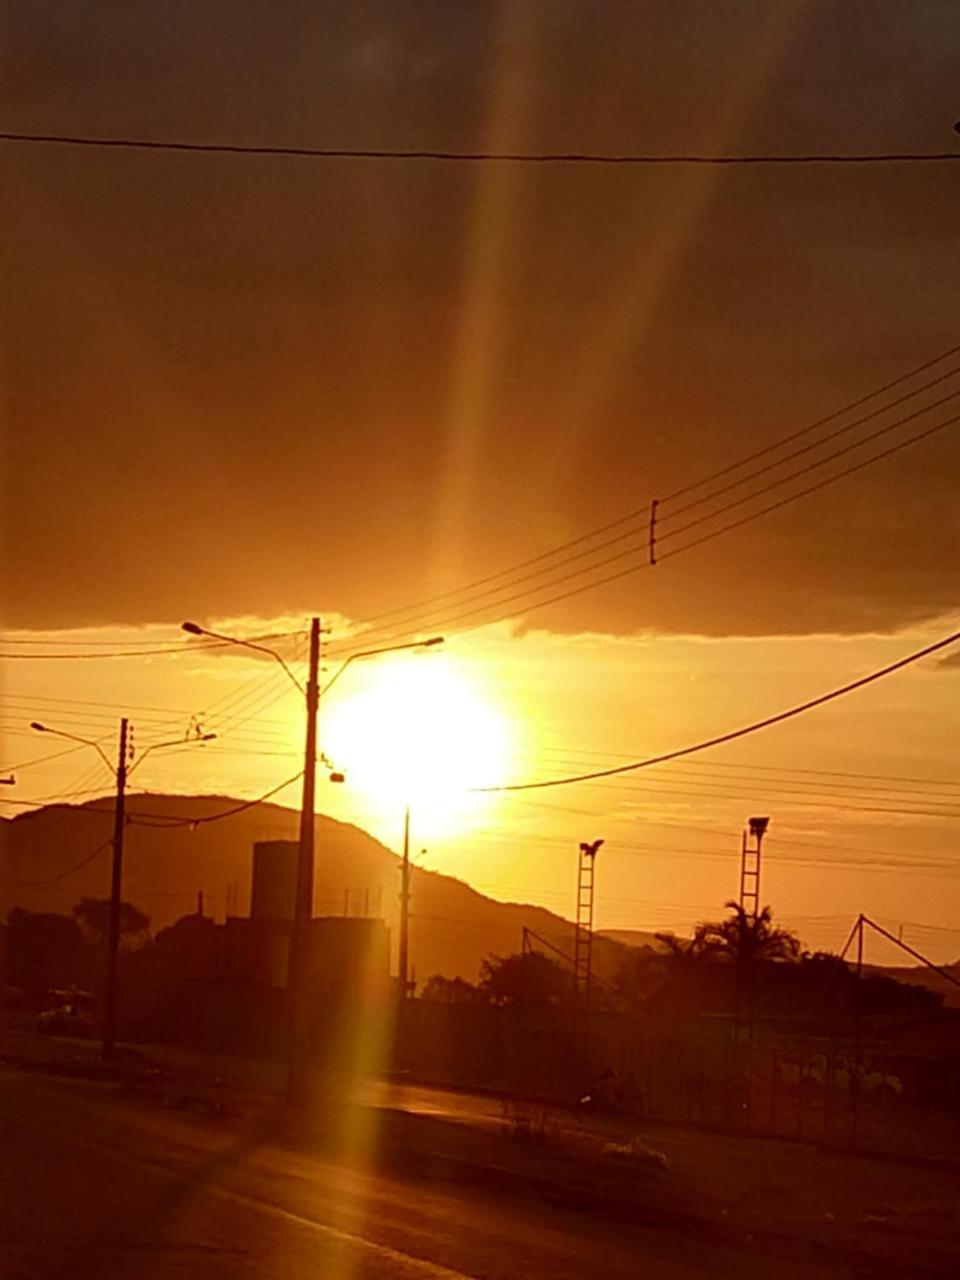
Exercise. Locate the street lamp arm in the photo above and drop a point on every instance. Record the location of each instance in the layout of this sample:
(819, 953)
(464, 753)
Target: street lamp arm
(73, 737)
(176, 742)
(373, 653)
(193, 629)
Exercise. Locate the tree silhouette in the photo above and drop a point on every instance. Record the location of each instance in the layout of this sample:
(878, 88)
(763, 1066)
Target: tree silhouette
(191, 947)
(639, 974)
(529, 978)
(744, 937)
(451, 991)
(43, 949)
(93, 917)
(738, 937)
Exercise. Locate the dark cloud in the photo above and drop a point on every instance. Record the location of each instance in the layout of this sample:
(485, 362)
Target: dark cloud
(238, 386)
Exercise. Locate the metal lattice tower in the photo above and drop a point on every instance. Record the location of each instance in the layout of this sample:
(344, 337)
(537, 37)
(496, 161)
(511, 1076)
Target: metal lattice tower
(750, 847)
(583, 937)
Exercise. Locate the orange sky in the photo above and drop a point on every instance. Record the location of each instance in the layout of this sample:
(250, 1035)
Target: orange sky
(501, 705)
(240, 387)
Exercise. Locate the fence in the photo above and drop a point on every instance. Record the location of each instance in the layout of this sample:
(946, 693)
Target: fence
(838, 1092)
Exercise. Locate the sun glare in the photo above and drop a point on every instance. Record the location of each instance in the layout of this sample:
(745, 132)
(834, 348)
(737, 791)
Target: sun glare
(416, 730)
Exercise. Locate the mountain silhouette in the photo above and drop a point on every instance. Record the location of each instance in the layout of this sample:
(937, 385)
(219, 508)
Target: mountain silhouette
(452, 928)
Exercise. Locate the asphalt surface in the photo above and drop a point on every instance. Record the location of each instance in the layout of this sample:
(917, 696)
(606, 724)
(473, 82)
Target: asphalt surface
(95, 1186)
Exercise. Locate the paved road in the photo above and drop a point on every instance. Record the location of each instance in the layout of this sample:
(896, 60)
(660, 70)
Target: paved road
(92, 1186)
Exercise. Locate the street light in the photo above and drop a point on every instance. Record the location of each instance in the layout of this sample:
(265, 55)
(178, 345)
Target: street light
(373, 653)
(303, 903)
(37, 727)
(121, 773)
(193, 629)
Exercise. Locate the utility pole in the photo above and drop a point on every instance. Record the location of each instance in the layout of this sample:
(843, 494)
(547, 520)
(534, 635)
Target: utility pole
(121, 772)
(116, 883)
(303, 905)
(403, 956)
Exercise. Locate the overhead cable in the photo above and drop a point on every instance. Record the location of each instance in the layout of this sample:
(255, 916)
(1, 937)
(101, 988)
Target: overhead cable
(642, 512)
(734, 733)
(624, 159)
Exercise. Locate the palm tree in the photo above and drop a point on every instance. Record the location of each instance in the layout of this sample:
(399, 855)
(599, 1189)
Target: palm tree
(744, 937)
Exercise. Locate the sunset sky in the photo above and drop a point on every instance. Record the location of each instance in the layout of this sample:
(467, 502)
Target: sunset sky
(248, 389)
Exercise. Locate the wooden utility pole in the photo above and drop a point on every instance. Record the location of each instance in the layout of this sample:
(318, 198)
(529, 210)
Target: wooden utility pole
(116, 885)
(403, 953)
(303, 905)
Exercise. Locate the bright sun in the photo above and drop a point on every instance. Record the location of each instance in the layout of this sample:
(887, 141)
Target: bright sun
(415, 730)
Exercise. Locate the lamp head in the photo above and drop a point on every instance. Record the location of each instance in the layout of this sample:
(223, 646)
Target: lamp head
(191, 628)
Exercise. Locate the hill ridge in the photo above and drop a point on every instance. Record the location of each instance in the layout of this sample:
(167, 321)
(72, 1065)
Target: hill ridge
(453, 926)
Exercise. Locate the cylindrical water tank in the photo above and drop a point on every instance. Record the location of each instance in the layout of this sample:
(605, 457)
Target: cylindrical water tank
(273, 892)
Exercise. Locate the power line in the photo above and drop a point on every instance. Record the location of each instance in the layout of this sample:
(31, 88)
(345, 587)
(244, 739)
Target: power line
(624, 159)
(643, 512)
(114, 653)
(60, 798)
(531, 604)
(166, 820)
(536, 604)
(807, 468)
(77, 866)
(735, 733)
(830, 436)
(781, 770)
(228, 709)
(717, 533)
(812, 781)
(773, 838)
(247, 696)
(186, 647)
(54, 755)
(820, 422)
(17, 708)
(706, 783)
(831, 855)
(169, 713)
(786, 799)
(61, 641)
(814, 488)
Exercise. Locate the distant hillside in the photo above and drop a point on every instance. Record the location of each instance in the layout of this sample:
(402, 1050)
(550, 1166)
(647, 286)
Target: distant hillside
(632, 938)
(453, 927)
